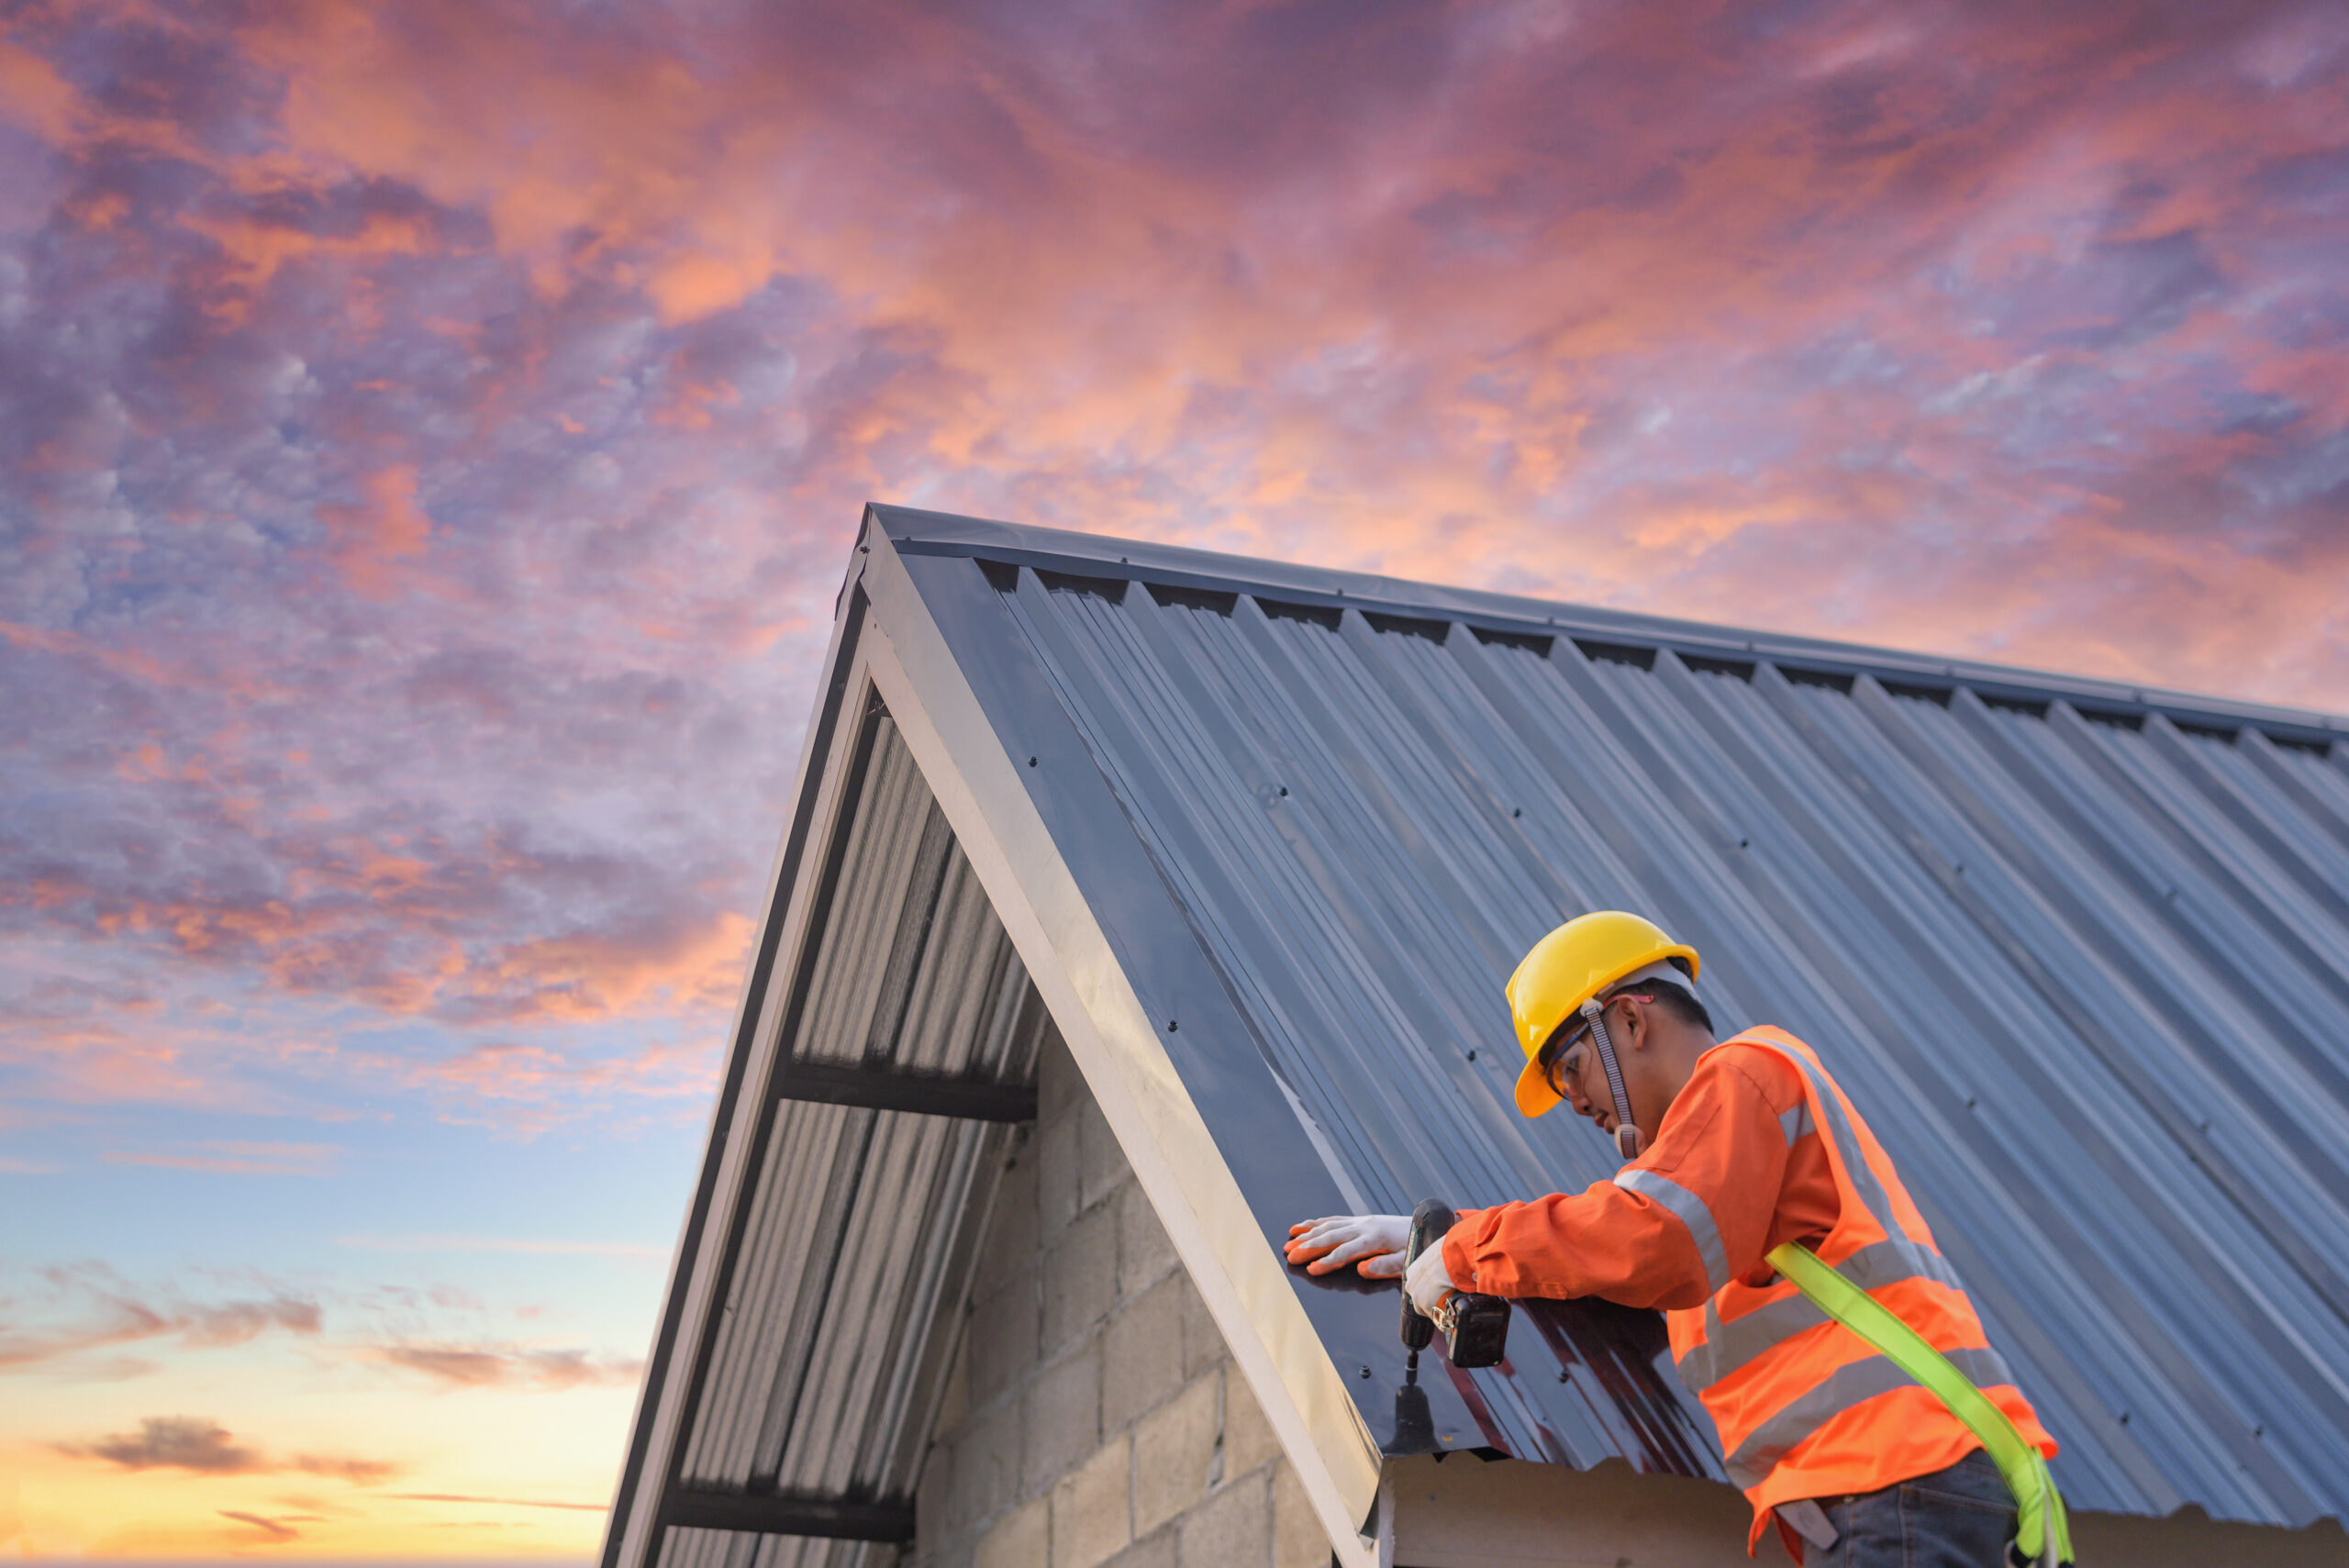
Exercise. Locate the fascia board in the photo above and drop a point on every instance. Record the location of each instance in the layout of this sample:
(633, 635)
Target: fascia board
(1114, 1036)
(913, 532)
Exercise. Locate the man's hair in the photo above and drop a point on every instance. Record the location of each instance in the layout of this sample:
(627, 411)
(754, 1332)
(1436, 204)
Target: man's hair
(1674, 999)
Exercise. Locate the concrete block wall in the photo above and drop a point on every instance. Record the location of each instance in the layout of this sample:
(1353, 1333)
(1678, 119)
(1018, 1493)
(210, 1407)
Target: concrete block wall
(1094, 1414)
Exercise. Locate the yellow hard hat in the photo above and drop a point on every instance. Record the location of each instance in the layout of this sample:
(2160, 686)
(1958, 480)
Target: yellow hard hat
(1567, 968)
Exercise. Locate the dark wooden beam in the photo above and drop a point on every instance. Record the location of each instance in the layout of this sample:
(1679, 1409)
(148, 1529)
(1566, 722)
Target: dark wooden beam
(750, 1515)
(969, 1099)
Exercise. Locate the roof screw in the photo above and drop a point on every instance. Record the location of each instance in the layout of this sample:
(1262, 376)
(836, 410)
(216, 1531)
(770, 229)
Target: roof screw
(1365, 1372)
(1514, 811)
(1284, 791)
(1172, 1026)
(1562, 1376)
(1472, 1056)
(1031, 762)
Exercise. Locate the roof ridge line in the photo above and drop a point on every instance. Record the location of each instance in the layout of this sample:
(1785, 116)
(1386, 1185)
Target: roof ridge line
(912, 531)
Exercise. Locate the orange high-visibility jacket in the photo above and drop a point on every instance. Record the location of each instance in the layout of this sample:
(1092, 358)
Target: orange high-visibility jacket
(1762, 1147)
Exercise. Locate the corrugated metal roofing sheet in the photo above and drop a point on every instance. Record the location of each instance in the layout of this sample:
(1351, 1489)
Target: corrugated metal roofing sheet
(854, 1251)
(2082, 957)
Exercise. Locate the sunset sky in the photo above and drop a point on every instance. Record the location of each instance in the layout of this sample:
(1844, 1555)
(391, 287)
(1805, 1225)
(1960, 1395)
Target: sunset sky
(431, 436)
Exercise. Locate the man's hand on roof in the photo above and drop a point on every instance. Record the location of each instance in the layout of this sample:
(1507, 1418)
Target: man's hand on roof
(1373, 1242)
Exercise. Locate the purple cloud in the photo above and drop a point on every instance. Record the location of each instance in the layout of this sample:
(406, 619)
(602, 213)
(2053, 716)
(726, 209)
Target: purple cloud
(174, 1442)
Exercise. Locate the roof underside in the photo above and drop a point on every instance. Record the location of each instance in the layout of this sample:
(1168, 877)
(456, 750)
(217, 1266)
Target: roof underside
(914, 1034)
(2083, 964)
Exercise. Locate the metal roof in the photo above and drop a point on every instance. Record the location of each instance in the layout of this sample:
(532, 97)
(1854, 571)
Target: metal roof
(1268, 839)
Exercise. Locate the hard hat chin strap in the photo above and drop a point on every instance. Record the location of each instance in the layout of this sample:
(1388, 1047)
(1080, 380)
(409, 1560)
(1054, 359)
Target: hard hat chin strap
(1627, 1137)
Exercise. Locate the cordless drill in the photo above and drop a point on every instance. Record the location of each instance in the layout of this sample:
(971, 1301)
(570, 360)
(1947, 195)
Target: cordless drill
(1475, 1328)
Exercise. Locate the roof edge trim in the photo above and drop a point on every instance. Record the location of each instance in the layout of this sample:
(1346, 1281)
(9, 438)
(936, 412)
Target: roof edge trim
(916, 532)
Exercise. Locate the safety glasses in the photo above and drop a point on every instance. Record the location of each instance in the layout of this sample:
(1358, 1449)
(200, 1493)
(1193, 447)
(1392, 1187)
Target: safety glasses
(1561, 1058)
(1560, 1054)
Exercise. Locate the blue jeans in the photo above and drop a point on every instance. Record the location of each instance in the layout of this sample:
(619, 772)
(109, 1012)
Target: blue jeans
(1958, 1517)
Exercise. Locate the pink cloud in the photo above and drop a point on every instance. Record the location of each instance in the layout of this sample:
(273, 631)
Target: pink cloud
(231, 1158)
(371, 542)
(74, 1310)
(478, 1366)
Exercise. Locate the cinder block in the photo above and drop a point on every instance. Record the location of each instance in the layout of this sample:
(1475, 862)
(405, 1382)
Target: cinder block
(986, 1466)
(1058, 1184)
(1000, 1339)
(1059, 1083)
(1101, 1162)
(1145, 1254)
(1021, 1539)
(1299, 1541)
(1175, 1454)
(1151, 1552)
(1061, 1416)
(955, 1399)
(1248, 1439)
(1080, 1278)
(1233, 1529)
(1092, 1509)
(1011, 1247)
(1203, 1344)
(1141, 1354)
(954, 1555)
(934, 1501)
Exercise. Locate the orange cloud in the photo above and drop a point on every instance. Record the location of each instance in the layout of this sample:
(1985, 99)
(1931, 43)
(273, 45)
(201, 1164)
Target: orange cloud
(371, 542)
(275, 1531)
(33, 95)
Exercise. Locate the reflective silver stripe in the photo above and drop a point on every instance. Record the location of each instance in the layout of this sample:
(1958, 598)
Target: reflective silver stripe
(1898, 1258)
(1797, 1122)
(1690, 1210)
(1839, 1130)
(1840, 1391)
(1729, 1346)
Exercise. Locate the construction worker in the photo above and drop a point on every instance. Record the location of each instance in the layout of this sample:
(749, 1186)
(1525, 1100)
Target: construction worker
(1760, 1213)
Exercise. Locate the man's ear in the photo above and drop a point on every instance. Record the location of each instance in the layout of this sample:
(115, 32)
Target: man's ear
(1637, 1025)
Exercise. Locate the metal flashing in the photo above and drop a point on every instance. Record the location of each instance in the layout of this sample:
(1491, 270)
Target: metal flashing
(914, 532)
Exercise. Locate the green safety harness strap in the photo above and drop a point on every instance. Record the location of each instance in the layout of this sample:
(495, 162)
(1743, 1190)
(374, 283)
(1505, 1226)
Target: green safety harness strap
(2025, 1469)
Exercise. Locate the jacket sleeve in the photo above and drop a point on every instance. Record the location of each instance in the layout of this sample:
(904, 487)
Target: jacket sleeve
(1670, 1227)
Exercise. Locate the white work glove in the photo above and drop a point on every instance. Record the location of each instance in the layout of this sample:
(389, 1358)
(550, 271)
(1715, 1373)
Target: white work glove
(1373, 1243)
(1429, 1281)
